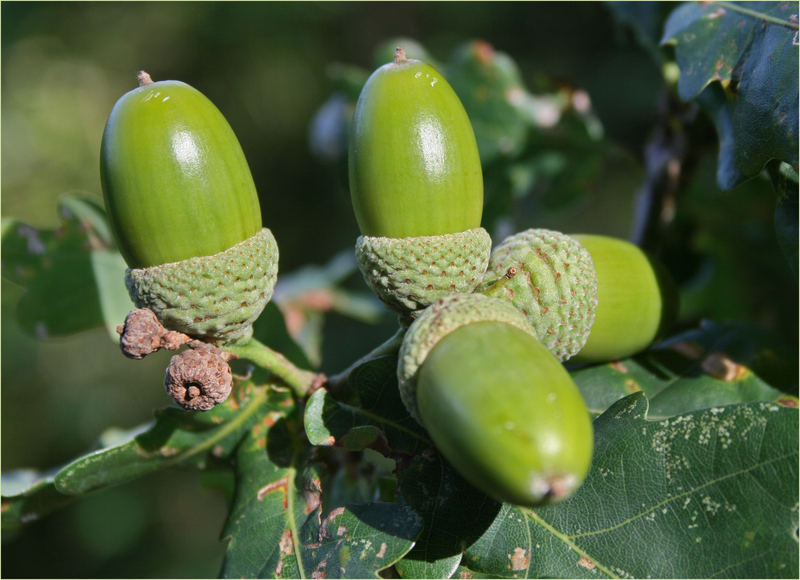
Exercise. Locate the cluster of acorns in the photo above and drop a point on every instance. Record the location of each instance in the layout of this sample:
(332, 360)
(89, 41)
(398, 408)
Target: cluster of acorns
(480, 364)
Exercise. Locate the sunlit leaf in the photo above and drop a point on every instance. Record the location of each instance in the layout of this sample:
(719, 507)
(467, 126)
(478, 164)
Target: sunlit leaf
(707, 494)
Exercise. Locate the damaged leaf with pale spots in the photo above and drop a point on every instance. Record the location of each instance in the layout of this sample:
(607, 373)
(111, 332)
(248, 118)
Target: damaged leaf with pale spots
(695, 484)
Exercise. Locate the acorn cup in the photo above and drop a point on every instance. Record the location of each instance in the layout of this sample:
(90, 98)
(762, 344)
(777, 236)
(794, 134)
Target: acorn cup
(499, 407)
(551, 279)
(588, 298)
(416, 187)
(185, 213)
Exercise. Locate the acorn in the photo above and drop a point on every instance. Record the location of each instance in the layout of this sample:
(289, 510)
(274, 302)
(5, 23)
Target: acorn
(551, 279)
(498, 406)
(637, 299)
(185, 212)
(417, 188)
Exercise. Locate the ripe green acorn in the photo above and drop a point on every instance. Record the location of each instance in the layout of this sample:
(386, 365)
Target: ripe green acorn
(413, 161)
(500, 408)
(551, 279)
(417, 188)
(185, 212)
(637, 299)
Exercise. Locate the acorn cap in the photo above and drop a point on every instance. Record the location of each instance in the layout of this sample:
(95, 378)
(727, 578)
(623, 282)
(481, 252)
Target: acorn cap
(436, 322)
(551, 279)
(409, 274)
(213, 298)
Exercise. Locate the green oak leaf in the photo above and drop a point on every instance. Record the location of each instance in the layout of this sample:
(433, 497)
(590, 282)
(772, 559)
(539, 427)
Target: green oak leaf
(328, 420)
(490, 87)
(784, 182)
(281, 525)
(692, 371)
(705, 494)
(73, 275)
(454, 514)
(176, 437)
(740, 60)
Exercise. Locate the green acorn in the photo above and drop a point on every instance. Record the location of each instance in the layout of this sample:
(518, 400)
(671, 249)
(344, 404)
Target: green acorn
(637, 299)
(500, 408)
(185, 212)
(416, 187)
(551, 279)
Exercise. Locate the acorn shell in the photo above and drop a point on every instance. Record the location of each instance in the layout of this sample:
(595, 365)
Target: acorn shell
(637, 299)
(175, 180)
(413, 161)
(505, 413)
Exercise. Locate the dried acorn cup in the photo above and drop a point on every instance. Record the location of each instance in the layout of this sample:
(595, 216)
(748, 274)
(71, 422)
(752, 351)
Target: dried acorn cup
(637, 299)
(416, 187)
(502, 410)
(185, 213)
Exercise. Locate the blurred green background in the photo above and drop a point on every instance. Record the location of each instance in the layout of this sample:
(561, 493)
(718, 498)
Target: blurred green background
(267, 67)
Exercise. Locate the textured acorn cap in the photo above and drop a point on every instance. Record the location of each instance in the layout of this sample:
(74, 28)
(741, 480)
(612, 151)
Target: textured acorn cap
(436, 322)
(409, 274)
(551, 279)
(213, 298)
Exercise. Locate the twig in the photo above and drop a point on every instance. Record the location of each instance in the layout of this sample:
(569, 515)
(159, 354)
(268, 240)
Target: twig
(300, 380)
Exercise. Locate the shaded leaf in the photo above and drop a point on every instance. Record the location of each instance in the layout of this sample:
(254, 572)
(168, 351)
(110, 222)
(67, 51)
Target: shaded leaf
(750, 50)
(306, 295)
(73, 275)
(277, 526)
(328, 420)
(489, 84)
(36, 501)
(455, 514)
(784, 182)
(684, 497)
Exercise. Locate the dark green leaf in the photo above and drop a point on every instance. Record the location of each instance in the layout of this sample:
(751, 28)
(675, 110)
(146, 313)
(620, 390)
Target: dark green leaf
(328, 421)
(280, 526)
(176, 437)
(35, 502)
(711, 493)
(455, 514)
(784, 181)
(750, 50)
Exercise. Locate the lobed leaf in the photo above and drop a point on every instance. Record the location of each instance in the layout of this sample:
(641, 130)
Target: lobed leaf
(176, 437)
(281, 525)
(328, 421)
(750, 50)
(687, 373)
(73, 275)
(710, 493)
